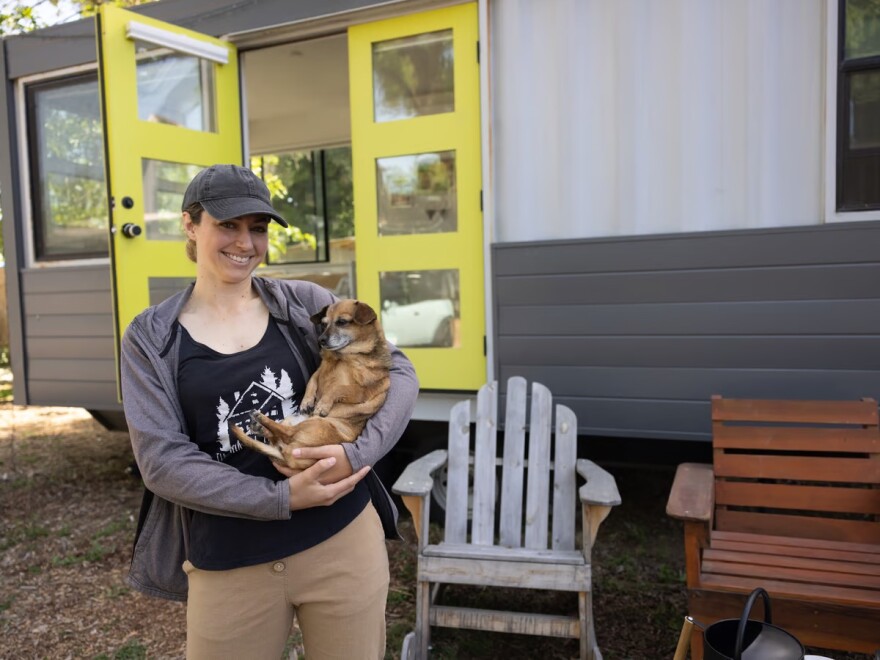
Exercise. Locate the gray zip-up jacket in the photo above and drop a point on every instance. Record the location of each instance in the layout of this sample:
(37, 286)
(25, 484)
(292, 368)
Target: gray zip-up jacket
(179, 478)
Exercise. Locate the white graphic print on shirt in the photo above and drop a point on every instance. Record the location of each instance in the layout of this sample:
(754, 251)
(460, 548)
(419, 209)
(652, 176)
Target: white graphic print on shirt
(272, 397)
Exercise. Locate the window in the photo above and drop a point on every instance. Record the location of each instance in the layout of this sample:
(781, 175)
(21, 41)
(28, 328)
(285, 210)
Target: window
(66, 158)
(858, 112)
(312, 190)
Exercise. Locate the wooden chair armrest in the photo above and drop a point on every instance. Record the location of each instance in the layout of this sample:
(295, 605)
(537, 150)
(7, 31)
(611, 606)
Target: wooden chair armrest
(417, 478)
(601, 488)
(414, 487)
(692, 495)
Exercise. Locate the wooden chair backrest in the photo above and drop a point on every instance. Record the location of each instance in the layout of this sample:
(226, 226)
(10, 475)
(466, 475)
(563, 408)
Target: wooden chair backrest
(807, 469)
(517, 528)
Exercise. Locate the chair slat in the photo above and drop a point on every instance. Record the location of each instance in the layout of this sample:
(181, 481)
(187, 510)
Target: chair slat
(788, 496)
(538, 493)
(483, 525)
(786, 438)
(869, 550)
(811, 563)
(800, 468)
(457, 475)
(564, 458)
(778, 588)
(862, 412)
(512, 466)
(775, 545)
(853, 531)
(809, 576)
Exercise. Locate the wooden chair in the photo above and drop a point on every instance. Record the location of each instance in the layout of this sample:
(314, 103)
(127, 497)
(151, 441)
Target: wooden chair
(791, 503)
(522, 553)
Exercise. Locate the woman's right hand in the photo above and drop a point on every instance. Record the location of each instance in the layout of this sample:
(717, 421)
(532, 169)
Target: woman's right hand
(306, 489)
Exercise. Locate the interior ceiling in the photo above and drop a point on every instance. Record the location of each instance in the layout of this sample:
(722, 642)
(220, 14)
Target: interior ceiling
(296, 95)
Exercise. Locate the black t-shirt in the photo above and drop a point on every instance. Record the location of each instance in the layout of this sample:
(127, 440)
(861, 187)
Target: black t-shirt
(216, 389)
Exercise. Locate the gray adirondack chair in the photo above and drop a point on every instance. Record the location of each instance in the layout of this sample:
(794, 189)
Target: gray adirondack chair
(532, 549)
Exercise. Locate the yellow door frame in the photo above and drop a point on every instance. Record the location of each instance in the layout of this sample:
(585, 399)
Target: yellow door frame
(462, 367)
(130, 140)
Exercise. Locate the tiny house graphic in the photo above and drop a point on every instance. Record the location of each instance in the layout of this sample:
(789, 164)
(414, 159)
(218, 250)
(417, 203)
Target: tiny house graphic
(638, 204)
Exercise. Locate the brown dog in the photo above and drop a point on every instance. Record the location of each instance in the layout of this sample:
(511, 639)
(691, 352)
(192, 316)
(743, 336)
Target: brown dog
(349, 386)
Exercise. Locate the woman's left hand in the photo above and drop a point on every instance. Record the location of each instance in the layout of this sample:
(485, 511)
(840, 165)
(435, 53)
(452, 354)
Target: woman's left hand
(340, 471)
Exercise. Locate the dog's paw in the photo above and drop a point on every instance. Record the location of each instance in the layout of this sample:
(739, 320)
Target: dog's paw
(307, 407)
(322, 409)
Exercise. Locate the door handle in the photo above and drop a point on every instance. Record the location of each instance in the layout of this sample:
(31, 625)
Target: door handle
(131, 230)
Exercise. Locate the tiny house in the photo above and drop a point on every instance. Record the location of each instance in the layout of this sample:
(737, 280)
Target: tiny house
(638, 203)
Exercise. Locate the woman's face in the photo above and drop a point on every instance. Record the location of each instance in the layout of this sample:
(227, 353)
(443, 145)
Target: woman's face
(228, 251)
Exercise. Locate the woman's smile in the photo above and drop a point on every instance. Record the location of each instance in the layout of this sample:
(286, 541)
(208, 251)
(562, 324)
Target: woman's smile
(239, 258)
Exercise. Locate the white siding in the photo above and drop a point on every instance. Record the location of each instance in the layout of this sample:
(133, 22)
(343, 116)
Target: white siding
(618, 117)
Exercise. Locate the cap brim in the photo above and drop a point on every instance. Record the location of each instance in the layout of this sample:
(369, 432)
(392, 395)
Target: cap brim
(235, 207)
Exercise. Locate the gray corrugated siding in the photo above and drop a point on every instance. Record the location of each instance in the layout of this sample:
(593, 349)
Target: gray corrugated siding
(68, 329)
(635, 334)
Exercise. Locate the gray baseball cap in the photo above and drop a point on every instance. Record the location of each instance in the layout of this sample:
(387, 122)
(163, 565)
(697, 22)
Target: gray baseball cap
(230, 191)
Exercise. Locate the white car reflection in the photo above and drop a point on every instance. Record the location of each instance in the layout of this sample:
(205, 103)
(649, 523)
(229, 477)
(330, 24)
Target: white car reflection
(423, 323)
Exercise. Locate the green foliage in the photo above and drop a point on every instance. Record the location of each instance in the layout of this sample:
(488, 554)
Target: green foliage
(308, 188)
(862, 28)
(18, 17)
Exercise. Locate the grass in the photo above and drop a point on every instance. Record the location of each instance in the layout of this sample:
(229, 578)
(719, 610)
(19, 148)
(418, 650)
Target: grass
(131, 650)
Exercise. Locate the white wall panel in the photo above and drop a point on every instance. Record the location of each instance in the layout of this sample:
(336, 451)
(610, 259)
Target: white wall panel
(618, 117)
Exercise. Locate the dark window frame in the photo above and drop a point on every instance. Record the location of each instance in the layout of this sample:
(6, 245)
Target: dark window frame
(34, 178)
(319, 176)
(847, 200)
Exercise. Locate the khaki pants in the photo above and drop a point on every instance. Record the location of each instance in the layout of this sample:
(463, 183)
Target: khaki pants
(337, 590)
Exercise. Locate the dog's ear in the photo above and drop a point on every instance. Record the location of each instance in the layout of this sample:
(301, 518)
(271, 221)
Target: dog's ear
(363, 313)
(317, 318)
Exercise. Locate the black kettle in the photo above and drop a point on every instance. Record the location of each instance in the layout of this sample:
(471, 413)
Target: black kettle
(745, 639)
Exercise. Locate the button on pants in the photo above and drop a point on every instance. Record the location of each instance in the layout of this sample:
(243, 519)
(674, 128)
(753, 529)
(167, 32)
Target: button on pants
(337, 590)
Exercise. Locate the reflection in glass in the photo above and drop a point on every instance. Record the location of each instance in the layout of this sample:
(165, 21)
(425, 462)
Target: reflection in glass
(862, 28)
(421, 308)
(864, 109)
(413, 76)
(175, 89)
(67, 169)
(416, 194)
(164, 185)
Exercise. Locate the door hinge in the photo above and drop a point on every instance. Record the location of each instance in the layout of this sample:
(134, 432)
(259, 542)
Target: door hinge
(485, 346)
(478, 52)
(481, 200)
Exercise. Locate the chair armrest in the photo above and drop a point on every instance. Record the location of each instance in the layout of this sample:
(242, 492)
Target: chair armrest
(692, 496)
(416, 478)
(600, 489)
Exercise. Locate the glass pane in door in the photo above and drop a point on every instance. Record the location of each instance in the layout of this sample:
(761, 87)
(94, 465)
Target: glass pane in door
(416, 194)
(175, 89)
(421, 308)
(413, 76)
(164, 185)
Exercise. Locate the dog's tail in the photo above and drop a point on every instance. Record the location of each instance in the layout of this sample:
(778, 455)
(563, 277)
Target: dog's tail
(256, 445)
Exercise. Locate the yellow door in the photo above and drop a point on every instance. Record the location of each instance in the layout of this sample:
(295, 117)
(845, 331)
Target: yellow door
(170, 101)
(415, 118)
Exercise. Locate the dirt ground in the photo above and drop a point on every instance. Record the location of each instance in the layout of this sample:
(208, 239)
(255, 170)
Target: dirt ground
(69, 503)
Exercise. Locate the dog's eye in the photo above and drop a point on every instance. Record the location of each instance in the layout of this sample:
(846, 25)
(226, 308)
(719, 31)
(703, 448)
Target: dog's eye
(341, 322)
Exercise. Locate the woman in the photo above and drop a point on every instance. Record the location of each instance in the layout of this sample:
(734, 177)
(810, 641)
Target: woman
(247, 542)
